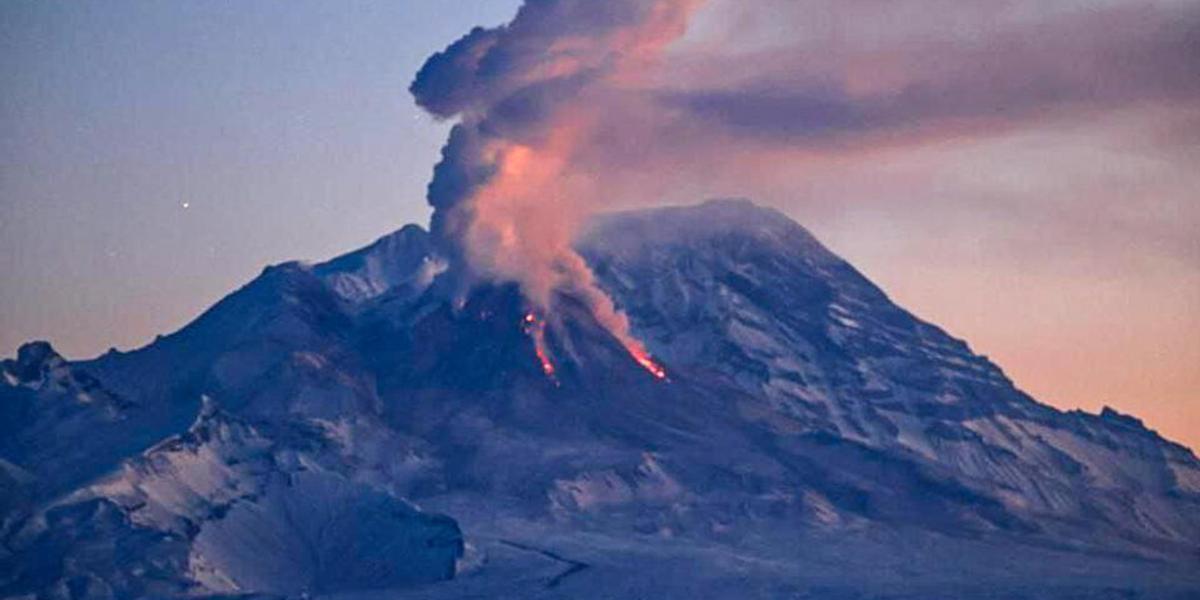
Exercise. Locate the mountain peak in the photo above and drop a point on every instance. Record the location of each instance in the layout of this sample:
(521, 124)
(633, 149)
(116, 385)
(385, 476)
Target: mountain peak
(1112, 415)
(636, 230)
(713, 214)
(404, 257)
(34, 360)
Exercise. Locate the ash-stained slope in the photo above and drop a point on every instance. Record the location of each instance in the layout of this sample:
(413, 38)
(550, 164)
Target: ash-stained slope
(812, 440)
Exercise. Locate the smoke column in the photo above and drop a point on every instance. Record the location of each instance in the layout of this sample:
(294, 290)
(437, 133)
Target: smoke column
(527, 96)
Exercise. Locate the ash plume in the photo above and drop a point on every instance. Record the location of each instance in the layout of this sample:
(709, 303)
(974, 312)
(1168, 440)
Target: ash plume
(507, 194)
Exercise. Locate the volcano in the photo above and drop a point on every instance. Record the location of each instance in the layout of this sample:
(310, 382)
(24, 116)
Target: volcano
(352, 429)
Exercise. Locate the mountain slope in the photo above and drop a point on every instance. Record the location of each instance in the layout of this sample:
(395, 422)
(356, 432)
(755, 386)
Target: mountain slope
(794, 323)
(812, 439)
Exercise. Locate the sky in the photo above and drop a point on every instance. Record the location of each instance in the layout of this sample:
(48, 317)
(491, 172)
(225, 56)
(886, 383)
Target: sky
(1021, 173)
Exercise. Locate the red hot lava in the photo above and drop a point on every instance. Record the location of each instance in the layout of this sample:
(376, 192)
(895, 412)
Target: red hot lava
(647, 363)
(536, 329)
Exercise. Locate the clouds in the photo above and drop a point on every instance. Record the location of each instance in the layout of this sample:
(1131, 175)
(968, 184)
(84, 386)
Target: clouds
(782, 76)
(925, 82)
(648, 102)
(827, 108)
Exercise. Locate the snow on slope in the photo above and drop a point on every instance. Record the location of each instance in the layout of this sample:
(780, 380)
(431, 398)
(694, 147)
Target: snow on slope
(748, 292)
(233, 510)
(814, 440)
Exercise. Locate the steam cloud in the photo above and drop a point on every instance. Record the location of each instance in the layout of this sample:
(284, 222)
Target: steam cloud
(507, 196)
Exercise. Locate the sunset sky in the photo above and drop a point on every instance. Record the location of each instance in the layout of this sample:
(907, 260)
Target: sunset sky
(1023, 173)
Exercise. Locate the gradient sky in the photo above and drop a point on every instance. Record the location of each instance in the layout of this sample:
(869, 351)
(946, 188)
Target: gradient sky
(1021, 173)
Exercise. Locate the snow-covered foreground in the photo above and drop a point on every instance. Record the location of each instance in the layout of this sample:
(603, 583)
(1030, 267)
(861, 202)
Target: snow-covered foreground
(357, 429)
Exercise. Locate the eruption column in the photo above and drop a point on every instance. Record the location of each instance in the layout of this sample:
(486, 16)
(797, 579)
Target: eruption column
(508, 194)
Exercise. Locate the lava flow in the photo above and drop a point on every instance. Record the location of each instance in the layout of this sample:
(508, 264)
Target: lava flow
(536, 329)
(643, 358)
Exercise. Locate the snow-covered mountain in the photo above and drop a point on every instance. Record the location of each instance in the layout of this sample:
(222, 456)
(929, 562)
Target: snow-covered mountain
(351, 429)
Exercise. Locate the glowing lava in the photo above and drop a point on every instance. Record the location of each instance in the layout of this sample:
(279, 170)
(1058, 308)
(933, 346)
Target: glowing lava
(643, 358)
(536, 329)
(547, 366)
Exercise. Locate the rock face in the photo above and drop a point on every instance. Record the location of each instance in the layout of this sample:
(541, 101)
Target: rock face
(812, 440)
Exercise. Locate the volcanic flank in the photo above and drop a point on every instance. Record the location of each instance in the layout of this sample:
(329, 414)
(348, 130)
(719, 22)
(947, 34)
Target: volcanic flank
(363, 425)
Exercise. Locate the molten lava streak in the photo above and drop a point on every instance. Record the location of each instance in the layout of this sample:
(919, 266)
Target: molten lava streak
(536, 328)
(643, 358)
